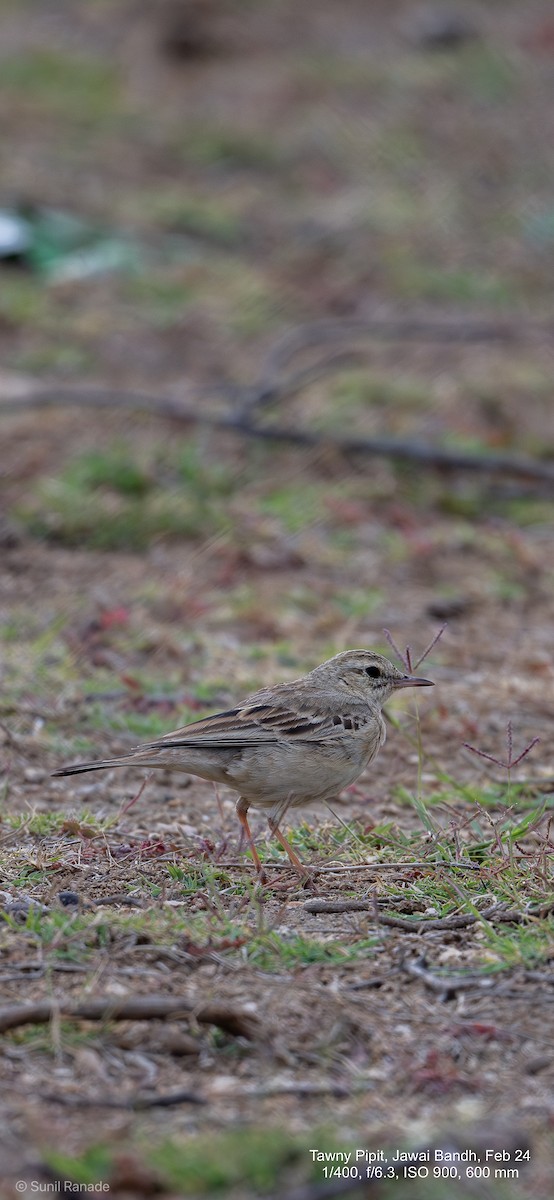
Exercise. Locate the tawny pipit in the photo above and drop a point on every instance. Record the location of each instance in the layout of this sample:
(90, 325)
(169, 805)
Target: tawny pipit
(286, 745)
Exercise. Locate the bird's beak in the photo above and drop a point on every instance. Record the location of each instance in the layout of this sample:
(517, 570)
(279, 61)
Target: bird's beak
(413, 681)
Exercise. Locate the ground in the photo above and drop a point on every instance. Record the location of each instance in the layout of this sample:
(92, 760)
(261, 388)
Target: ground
(265, 168)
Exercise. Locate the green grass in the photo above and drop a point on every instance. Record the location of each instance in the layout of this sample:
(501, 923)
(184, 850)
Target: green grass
(23, 302)
(120, 496)
(295, 506)
(109, 518)
(113, 499)
(70, 935)
(227, 148)
(199, 216)
(145, 726)
(487, 76)
(358, 602)
(235, 923)
(50, 824)
(462, 285)
(158, 299)
(69, 87)
(275, 953)
(363, 389)
(241, 294)
(244, 1161)
(63, 935)
(253, 1159)
(114, 468)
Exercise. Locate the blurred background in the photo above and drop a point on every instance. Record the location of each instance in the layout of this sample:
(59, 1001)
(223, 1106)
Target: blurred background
(298, 224)
(227, 204)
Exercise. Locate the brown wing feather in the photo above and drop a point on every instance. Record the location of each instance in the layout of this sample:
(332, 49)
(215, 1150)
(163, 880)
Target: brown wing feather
(260, 723)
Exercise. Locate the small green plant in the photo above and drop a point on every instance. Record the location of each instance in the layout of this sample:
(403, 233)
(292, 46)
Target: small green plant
(109, 500)
(272, 952)
(114, 468)
(158, 299)
(198, 216)
(295, 506)
(229, 147)
(77, 89)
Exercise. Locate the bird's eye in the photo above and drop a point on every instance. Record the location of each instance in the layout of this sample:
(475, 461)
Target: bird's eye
(373, 672)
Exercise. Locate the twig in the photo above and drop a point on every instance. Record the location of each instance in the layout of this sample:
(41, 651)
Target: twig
(509, 762)
(11, 738)
(418, 329)
(539, 977)
(12, 707)
(462, 921)
(131, 1008)
(537, 785)
(134, 1104)
(350, 867)
(444, 984)
(384, 447)
(330, 1087)
(38, 969)
(376, 981)
(336, 906)
(406, 658)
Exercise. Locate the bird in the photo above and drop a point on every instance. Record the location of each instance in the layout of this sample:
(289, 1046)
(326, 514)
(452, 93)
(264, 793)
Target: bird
(285, 745)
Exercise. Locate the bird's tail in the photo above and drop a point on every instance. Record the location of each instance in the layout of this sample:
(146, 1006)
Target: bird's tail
(79, 768)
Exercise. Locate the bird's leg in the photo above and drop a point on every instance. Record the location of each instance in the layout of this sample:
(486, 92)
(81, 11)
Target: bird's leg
(297, 864)
(274, 820)
(242, 810)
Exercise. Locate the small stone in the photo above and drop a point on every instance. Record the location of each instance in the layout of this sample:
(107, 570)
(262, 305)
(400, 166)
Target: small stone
(441, 28)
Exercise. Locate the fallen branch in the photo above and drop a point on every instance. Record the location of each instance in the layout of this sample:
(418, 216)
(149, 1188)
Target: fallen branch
(349, 868)
(133, 1103)
(131, 1008)
(404, 329)
(275, 385)
(420, 925)
(445, 985)
(120, 898)
(421, 453)
(539, 977)
(337, 906)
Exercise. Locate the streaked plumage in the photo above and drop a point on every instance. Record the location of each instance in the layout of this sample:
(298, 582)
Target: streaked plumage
(286, 745)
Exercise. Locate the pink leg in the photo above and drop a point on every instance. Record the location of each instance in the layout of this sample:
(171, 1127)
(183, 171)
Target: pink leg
(242, 810)
(297, 864)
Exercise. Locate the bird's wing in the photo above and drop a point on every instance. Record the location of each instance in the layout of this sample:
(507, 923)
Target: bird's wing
(263, 722)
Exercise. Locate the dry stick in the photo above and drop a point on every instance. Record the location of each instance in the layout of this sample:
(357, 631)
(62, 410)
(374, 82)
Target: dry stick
(444, 984)
(131, 1008)
(135, 1104)
(395, 448)
(376, 981)
(419, 329)
(37, 970)
(348, 868)
(337, 906)
(497, 912)
(539, 977)
(9, 707)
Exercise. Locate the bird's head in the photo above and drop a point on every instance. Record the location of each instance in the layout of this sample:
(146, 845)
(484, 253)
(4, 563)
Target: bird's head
(365, 675)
